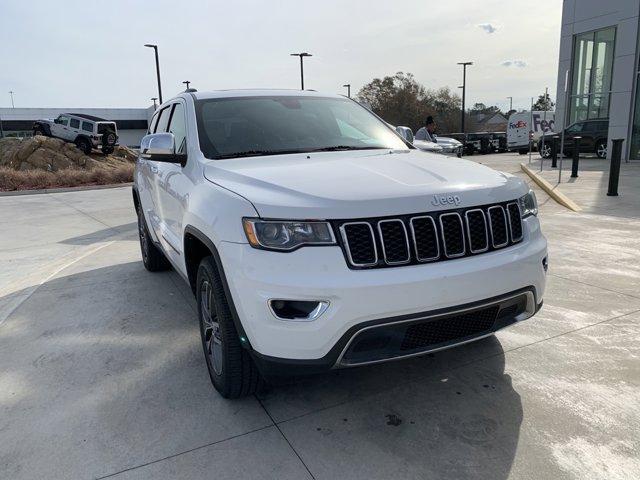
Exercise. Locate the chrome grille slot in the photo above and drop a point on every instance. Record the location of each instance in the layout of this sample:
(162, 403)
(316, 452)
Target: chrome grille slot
(425, 238)
(515, 222)
(360, 243)
(498, 226)
(395, 241)
(477, 230)
(452, 235)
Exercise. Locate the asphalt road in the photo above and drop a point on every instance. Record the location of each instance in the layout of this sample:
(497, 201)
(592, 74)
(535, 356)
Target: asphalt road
(102, 373)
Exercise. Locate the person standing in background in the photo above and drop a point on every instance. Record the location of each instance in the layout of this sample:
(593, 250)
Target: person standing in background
(427, 132)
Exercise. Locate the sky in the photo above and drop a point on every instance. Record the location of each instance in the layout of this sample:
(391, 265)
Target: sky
(91, 54)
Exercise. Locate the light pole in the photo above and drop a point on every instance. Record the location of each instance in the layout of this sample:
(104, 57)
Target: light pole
(187, 82)
(464, 87)
(510, 103)
(348, 85)
(155, 105)
(301, 55)
(11, 93)
(155, 49)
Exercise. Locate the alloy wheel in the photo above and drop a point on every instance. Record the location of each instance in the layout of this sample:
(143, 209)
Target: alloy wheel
(602, 150)
(211, 328)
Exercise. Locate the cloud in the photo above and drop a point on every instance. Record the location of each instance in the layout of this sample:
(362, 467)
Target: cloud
(487, 27)
(514, 63)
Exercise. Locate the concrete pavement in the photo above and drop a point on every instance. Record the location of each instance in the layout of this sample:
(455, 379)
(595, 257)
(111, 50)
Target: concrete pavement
(102, 373)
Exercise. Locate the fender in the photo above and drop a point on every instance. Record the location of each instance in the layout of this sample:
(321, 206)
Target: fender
(191, 230)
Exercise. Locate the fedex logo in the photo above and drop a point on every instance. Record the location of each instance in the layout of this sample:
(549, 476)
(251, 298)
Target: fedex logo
(518, 124)
(540, 124)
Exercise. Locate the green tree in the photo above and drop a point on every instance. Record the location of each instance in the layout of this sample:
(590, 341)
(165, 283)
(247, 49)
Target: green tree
(401, 100)
(544, 103)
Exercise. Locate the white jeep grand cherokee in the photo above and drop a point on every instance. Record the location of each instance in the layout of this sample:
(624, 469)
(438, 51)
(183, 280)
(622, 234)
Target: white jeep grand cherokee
(314, 237)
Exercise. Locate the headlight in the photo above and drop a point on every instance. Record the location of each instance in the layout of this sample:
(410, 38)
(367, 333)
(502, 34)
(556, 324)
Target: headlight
(528, 204)
(286, 235)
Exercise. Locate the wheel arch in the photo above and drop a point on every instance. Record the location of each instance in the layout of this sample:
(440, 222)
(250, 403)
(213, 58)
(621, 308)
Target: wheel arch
(43, 125)
(196, 247)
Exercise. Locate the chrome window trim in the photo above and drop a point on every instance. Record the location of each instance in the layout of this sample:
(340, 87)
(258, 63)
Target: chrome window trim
(504, 215)
(343, 233)
(486, 230)
(406, 239)
(415, 243)
(444, 241)
(514, 240)
(528, 313)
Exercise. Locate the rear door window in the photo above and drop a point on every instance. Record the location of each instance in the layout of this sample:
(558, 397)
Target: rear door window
(74, 123)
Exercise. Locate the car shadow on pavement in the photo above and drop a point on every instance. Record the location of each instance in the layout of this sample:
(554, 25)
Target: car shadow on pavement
(111, 358)
(105, 233)
(452, 414)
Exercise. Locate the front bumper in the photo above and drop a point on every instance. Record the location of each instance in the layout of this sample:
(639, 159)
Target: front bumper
(359, 298)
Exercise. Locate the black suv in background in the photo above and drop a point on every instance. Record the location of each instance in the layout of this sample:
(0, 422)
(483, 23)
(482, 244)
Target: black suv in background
(593, 138)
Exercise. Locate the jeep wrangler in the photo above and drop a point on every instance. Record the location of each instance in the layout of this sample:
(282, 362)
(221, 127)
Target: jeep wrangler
(86, 131)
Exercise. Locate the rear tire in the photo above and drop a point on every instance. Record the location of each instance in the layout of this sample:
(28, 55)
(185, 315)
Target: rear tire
(152, 258)
(84, 145)
(107, 150)
(232, 371)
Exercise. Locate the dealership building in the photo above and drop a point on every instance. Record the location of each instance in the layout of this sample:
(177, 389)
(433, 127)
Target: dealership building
(599, 66)
(132, 123)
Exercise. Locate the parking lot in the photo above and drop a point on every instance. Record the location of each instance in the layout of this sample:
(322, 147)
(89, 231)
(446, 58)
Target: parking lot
(102, 373)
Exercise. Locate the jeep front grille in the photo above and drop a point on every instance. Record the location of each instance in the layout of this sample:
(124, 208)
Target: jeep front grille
(430, 237)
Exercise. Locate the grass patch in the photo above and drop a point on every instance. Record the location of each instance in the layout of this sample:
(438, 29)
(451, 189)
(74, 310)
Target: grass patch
(11, 179)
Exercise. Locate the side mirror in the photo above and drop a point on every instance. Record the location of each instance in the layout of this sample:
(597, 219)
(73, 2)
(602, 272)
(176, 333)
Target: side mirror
(161, 147)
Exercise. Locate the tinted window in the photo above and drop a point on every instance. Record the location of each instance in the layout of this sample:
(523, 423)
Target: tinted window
(163, 120)
(74, 123)
(575, 128)
(154, 121)
(87, 126)
(179, 128)
(62, 120)
(272, 125)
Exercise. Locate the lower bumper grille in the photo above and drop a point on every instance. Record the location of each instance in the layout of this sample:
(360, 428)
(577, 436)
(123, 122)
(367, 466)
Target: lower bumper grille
(412, 337)
(447, 329)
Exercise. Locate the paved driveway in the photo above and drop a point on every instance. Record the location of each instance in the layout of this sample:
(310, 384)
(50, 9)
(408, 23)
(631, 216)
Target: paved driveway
(102, 374)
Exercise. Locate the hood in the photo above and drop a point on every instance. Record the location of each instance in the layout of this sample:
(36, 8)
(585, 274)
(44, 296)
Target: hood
(358, 184)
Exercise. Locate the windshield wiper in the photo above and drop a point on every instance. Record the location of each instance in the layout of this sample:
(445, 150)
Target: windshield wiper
(257, 153)
(338, 148)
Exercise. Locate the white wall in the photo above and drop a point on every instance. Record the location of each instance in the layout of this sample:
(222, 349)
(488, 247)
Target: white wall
(579, 16)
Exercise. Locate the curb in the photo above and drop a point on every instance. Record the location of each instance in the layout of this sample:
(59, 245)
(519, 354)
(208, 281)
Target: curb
(557, 195)
(12, 193)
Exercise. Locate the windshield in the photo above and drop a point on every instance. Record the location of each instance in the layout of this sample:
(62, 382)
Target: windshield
(271, 125)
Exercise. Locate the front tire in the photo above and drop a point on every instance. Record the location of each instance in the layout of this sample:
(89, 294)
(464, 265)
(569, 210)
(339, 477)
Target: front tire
(601, 149)
(152, 258)
(39, 131)
(231, 368)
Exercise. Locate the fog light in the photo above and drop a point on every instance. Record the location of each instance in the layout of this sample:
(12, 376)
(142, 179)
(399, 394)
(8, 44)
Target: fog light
(297, 310)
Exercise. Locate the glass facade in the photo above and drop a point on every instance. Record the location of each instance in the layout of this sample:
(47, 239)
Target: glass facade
(634, 146)
(592, 71)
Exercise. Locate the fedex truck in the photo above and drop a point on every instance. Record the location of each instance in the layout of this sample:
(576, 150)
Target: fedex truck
(526, 126)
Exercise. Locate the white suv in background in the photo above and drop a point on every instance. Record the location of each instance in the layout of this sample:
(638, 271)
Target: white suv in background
(314, 237)
(86, 131)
